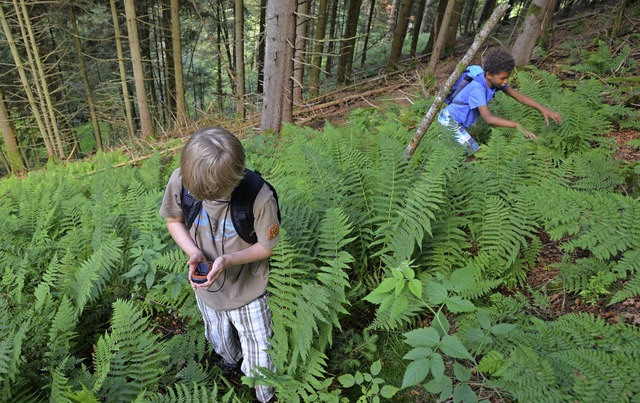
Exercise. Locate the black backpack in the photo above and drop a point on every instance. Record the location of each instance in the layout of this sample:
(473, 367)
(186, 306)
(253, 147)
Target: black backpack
(242, 199)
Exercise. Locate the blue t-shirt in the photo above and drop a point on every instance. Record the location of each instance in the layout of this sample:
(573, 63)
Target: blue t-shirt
(464, 108)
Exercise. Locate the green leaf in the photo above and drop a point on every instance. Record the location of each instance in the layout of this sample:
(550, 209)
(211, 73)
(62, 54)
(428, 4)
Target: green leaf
(387, 285)
(399, 306)
(437, 365)
(388, 391)
(484, 320)
(415, 286)
(440, 385)
(460, 279)
(368, 377)
(453, 347)
(347, 380)
(376, 367)
(399, 287)
(463, 393)
(436, 293)
(502, 329)
(397, 273)
(407, 271)
(424, 337)
(375, 398)
(456, 305)
(441, 323)
(377, 298)
(461, 372)
(416, 372)
(418, 353)
(359, 377)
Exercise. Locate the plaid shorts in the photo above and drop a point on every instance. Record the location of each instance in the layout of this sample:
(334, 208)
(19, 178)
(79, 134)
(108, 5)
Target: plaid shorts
(458, 131)
(242, 334)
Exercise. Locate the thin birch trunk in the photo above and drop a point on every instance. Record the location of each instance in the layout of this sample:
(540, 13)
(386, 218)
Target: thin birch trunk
(40, 77)
(239, 35)
(444, 90)
(146, 125)
(181, 106)
(318, 46)
(123, 72)
(367, 34)
(85, 78)
(302, 22)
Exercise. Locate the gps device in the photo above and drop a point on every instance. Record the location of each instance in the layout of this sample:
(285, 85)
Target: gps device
(199, 276)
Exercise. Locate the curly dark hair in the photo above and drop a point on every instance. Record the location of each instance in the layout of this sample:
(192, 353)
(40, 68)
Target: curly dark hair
(498, 60)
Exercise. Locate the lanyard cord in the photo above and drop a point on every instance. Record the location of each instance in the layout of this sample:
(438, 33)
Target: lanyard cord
(222, 232)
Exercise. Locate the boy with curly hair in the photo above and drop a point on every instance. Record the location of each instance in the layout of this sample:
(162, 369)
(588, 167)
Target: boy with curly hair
(471, 102)
(233, 298)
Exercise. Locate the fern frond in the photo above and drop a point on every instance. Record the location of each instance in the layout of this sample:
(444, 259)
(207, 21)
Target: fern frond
(196, 392)
(136, 358)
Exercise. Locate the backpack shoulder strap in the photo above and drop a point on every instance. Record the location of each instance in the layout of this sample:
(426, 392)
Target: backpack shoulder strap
(242, 199)
(190, 206)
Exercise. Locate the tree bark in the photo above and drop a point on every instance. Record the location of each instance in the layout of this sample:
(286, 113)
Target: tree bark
(318, 46)
(302, 23)
(442, 34)
(399, 34)
(332, 35)
(123, 72)
(343, 75)
(531, 29)
(367, 34)
(417, 27)
(146, 125)
(261, 46)
(25, 84)
(14, 158)
(85, 78)
(460, 67)
(239, 36)
(278, 65)
(40, 77)
(452, 28)
(181, 107)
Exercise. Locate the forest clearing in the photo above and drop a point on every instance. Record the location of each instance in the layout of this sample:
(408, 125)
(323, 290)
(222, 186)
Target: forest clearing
(512, 275)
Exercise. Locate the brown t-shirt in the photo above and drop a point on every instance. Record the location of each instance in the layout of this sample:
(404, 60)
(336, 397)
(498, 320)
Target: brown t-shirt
(214, 233)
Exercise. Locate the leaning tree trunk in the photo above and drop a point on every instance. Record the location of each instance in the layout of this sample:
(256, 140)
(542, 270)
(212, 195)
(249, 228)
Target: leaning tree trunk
(444, 90)
(278, 64)
(123, 71)
(146, 125)
(318, 45)
(528, 38)
(14, 158)
(85, 78)
(399, 34)
(37, 116)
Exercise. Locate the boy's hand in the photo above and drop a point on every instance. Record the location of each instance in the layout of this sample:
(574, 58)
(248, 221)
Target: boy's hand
(526, 132)
(194, 258)
(216, 269)
(551, 114)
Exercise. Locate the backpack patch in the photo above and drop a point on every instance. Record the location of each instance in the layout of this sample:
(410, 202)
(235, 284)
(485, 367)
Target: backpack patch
(465, 78)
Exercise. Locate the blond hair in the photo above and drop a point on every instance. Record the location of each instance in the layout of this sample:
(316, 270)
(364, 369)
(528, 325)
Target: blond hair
(212, 163)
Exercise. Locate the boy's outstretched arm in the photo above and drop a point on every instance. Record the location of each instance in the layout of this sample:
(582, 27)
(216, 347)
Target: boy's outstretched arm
(525, 100)
(490, 119)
